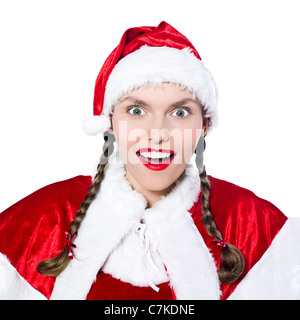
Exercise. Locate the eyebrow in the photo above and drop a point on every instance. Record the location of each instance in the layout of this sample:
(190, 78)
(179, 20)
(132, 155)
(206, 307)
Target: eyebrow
(174, 104)
(184, 101)
(134, 100)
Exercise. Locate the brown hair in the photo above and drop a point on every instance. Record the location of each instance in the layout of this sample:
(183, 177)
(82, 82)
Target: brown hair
(56, 265)
(232, 260)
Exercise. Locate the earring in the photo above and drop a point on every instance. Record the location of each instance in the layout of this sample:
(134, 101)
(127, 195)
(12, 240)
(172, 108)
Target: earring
(199, 154)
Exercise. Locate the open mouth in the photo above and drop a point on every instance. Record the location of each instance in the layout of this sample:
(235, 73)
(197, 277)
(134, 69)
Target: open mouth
(155, 159)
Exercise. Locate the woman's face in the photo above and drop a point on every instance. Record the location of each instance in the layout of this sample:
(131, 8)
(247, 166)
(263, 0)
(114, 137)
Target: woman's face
(157, 130)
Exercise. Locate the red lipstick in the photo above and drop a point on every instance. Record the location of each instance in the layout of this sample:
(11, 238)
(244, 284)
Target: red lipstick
(155, 159)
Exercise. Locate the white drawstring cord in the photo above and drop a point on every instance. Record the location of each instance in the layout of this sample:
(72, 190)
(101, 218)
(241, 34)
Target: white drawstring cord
(140, 229)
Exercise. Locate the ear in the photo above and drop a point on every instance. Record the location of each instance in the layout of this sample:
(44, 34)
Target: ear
(205, 126)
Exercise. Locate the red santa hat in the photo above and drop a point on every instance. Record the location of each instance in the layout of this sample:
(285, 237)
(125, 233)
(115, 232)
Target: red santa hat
(150, 56)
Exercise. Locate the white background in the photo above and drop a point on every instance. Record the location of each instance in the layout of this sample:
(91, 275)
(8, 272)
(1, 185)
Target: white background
(52, 51)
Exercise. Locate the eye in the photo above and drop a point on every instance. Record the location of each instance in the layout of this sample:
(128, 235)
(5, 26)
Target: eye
(136, 111)
(180, 113)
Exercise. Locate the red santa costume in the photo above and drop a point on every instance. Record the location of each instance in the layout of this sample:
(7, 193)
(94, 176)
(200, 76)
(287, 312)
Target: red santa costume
(169, 255)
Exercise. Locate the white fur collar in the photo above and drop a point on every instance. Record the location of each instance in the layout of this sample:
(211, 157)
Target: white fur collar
(105, 240)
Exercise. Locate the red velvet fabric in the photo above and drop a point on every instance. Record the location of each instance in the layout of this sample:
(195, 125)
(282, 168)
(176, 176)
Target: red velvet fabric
(108, 288)
(132, 39)
(33, 229)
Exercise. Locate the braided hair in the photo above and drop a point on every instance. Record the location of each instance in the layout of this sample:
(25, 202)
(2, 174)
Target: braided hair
(54, 266)
(232, 260)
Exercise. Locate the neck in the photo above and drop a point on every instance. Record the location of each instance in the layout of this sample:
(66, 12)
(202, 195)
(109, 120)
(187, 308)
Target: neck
(152, 196)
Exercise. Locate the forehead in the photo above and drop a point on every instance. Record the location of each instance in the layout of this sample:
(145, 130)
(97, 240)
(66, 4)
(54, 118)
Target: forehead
(165, 94)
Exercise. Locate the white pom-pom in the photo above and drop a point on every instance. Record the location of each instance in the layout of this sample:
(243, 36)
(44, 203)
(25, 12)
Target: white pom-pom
(96, 124)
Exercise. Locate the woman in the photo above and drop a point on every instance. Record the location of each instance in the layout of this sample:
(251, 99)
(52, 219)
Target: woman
(149, 225)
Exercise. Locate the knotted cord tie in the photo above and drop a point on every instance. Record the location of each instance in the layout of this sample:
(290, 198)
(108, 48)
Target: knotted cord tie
(148, 243)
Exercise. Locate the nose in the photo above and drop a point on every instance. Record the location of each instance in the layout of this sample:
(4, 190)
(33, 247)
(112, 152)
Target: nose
(159, 135)
(159, 131)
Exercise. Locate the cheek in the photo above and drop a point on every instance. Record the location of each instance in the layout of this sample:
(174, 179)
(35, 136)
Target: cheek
(127, 134)
(185, 142)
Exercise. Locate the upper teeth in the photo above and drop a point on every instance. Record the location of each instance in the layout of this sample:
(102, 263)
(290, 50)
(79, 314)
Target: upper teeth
(156, 155)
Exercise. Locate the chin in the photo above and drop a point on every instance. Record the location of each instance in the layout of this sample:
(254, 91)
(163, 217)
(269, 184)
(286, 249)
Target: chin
(159, 180)
(158, 186)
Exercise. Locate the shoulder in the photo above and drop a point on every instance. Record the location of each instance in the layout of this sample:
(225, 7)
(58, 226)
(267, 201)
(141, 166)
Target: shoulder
(240, 214)
(230, 200)
(63, 188)
(54, 193)
(243, 216)
(220, 188)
